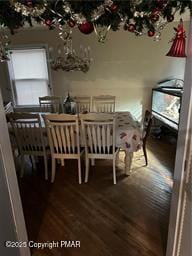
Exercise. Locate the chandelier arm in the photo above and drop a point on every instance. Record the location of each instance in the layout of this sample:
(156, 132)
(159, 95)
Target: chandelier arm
(67, 59)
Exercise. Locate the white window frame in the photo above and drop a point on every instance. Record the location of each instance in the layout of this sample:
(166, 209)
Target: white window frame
(10, 70)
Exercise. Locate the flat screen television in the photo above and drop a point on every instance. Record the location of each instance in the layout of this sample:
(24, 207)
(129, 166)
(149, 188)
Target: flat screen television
(166, 103)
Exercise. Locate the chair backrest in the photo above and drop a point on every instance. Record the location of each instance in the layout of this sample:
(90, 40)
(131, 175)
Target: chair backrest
(103, 103)
(28, 132)
(63, 133)
(98, 132)
(83, 104)
(147, 122)
(9, 108)
(50, 104)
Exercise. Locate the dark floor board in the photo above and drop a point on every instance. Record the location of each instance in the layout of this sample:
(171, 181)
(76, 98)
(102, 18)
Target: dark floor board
(130, 218)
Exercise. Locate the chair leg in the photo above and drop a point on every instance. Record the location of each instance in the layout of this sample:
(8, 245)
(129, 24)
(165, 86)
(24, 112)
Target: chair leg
(86, 169)
(15, 159)
(92, 162)
(79, 170)
(114, 171)
(145, 154)
(46, 168)
(62, 162)
(52, 170)
(22, 166)
(30, 158)
(33, 162)
(117, 158)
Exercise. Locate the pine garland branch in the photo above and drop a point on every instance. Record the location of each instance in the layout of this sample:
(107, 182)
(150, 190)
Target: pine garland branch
(125, 13)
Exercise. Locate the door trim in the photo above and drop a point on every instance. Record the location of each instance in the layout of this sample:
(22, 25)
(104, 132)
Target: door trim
(182, 145)
(11, 181)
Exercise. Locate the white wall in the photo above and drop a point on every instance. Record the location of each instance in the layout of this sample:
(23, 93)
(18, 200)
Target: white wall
(125, 65)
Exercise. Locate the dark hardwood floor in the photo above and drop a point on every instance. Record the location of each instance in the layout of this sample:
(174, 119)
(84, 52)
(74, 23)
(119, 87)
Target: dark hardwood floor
(130, 218)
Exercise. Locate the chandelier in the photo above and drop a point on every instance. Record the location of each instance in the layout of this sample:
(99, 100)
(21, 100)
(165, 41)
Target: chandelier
(65, 56)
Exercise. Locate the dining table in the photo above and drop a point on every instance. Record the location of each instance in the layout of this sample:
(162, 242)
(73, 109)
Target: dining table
(128, 135)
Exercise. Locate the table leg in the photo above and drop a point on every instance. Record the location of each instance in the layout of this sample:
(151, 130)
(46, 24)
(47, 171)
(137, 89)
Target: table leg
(128, 162)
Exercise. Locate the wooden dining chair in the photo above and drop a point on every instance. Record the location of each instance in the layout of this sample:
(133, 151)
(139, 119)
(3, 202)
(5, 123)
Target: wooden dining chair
(29, 137)
(103, 103)
(147, 122)
(14, 146)
(83, 104)
(50, 104)
(99, 138)
(9, 108)
(63, 136)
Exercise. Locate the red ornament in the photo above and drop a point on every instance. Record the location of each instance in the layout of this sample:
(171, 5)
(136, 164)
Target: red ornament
(48, 22)
(178, 46)
(154, 17)
(113, 8)
(71, 23)
(131, 28)
(161, 3)
(86, 27)
(170, 18)
(155, 14)
(156, 11)
(29, 3)
(151, 33)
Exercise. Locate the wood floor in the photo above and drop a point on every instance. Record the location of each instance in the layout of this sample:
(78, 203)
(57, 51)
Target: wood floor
(127, 219)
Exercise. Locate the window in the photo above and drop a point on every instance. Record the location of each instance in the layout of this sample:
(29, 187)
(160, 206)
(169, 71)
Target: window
(29, 75)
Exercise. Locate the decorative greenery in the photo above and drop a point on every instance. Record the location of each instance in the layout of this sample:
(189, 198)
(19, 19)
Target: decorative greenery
(136, 15)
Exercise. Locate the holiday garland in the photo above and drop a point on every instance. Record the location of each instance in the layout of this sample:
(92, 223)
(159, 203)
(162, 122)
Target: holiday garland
(138, 16)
